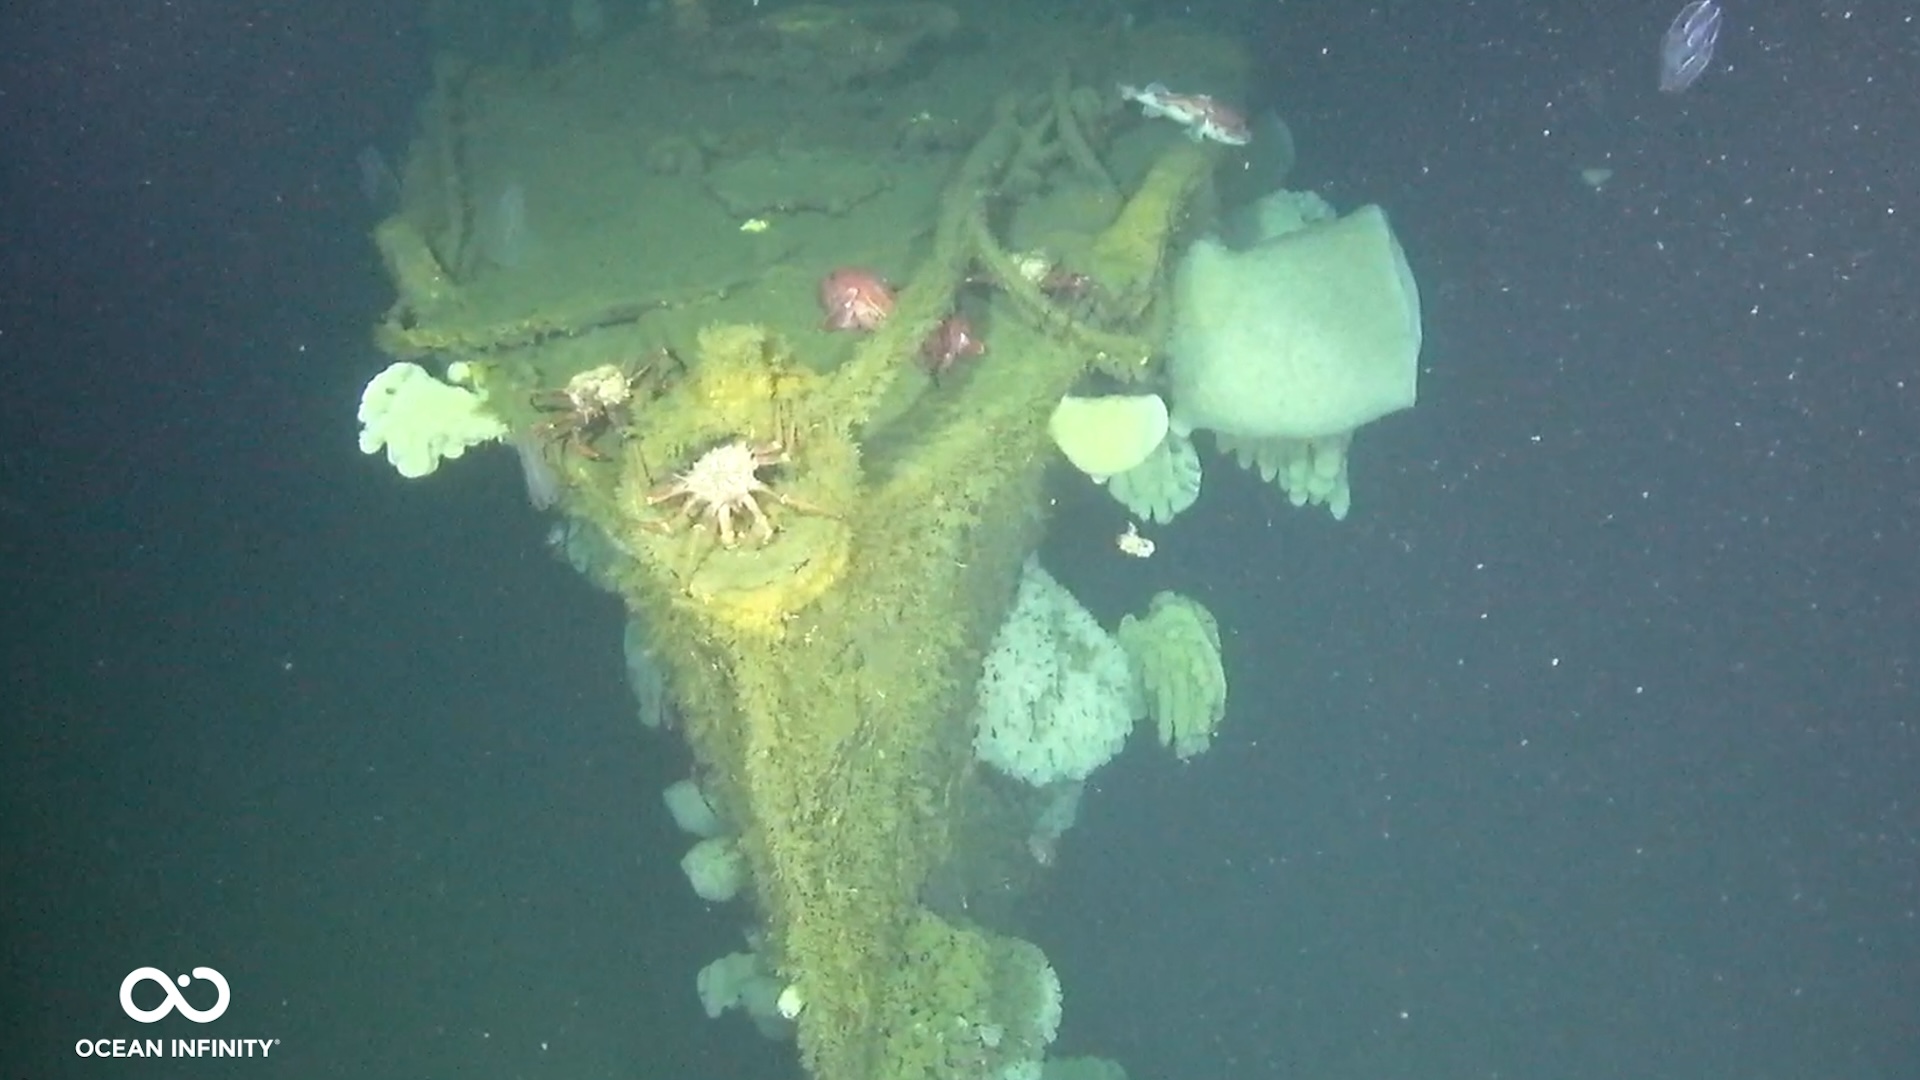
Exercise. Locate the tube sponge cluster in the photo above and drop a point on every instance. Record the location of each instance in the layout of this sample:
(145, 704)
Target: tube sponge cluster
(1175, 648)
(1056, 699)
(1163, 485)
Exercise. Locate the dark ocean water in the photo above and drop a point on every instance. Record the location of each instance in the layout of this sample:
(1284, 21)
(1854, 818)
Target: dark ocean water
(1586, 747)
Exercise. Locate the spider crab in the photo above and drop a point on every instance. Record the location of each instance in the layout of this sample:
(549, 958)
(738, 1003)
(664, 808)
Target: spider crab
(1052, 277)
(591, 402)
(1065, 287)
(723, 484)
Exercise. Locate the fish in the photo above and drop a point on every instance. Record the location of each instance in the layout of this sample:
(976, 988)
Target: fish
(1202, 116)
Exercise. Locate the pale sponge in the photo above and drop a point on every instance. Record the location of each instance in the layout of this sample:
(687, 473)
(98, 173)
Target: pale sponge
(717, 869)
(1310, 471)
(1312, 333)
(420, 420)
(1175, 649)
(1162, 485)
(741, 981)
(691, 810)
(1056, 698)
(1105, 436)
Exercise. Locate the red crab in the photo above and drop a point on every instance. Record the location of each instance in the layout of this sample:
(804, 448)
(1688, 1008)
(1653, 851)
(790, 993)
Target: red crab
(855, 299)
(952, 341)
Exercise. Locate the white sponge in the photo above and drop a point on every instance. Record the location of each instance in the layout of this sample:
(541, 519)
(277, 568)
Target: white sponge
(1103, 436)
(717, 869)
(1056, 697)
(724, 984)
(1313, 333)
(691, 810)
(420, 420)
(1164, 484)
(741, 981)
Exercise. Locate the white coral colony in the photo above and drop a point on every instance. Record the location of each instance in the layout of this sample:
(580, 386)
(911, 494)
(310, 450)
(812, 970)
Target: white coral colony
(420, 421)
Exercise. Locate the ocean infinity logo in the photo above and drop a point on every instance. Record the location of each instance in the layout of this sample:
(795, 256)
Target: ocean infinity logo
(175, 1002)
(175, 999)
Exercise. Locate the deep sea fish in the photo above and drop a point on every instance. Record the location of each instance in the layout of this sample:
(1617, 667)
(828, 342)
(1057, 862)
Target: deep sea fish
(1201, 115)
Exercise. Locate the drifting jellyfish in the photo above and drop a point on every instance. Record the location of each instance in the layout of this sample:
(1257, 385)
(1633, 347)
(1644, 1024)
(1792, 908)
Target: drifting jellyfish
(1687, 48)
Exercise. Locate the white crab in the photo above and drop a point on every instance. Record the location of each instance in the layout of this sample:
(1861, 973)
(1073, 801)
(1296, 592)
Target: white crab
(723, 482)
(601, 389)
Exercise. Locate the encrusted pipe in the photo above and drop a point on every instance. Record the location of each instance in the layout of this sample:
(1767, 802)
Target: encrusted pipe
(1073, 139)
(1128, 256)
(1123, 354)
(866, 380)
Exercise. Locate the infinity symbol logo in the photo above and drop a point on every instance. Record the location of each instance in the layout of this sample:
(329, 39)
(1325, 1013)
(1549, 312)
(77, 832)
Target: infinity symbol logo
(175, 999)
